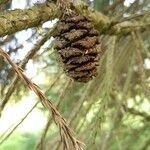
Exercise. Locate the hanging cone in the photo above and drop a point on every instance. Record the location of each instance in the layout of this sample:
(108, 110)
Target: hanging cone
(78, 47)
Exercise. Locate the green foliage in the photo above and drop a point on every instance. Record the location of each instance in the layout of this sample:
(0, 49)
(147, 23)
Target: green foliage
(20, 141)
(101, 4)
(111, 112)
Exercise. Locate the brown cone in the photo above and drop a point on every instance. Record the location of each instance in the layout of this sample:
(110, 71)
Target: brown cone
(77, 43)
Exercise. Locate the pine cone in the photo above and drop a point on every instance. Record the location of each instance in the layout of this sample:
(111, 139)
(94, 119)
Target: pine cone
(78, 47)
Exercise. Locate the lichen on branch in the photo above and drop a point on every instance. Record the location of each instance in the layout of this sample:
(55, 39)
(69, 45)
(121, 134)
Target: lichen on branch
(16, 20)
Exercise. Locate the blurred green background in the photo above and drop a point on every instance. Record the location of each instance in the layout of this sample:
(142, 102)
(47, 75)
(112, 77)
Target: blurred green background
(111, 112)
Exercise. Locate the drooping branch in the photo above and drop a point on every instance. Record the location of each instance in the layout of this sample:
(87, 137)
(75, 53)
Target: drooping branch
(65, 132)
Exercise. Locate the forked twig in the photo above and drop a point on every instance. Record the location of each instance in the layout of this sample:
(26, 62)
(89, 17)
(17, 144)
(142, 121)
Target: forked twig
(65, 131)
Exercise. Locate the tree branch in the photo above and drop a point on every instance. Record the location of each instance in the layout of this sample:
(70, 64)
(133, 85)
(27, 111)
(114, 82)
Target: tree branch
(17, 20)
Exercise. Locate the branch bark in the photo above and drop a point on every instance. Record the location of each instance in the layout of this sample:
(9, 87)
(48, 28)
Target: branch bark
(16, 20)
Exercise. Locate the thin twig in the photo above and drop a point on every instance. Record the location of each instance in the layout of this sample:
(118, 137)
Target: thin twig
(134, 16)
